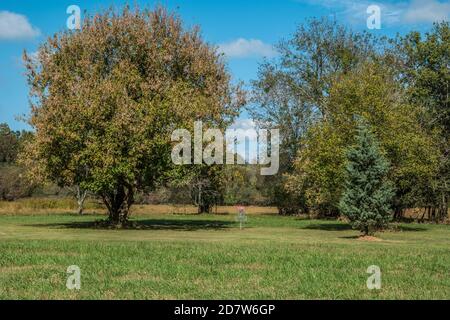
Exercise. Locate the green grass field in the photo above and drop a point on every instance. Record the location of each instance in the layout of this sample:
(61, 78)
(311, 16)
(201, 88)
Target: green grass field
(208, 257)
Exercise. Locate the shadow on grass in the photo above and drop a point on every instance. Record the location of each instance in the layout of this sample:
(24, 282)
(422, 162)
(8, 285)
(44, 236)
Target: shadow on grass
(171, 225)
(347, 227)
(351, 237)
(329, 227)
(397, 228)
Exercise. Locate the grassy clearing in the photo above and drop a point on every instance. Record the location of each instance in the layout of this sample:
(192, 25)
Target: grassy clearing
(208, 257)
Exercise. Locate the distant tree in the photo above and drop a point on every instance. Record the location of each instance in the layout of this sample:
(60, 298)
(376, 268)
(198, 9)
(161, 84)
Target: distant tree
(14, 183)
(106, 99)
(9, 144)
(367, 197)
(205, 186)
(243, 185)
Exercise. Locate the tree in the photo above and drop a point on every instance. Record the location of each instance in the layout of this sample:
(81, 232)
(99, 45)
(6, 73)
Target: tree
(8, 144)
(367, 197)
(291, 92)
(14, 183)
(373, 93)
(80, 196)
(106, 99)
(205, 186)
(425, 71)
(318, 174)
(243, 185)
(11, 142)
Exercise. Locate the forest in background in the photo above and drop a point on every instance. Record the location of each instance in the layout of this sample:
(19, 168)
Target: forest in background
(325, 77)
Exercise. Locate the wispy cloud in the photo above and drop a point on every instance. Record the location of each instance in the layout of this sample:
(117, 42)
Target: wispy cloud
(427, 11)
(16, 26)
(404, 12)
(243, 48)
(247, 125)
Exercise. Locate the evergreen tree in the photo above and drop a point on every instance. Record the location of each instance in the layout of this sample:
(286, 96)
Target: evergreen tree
(367, 197)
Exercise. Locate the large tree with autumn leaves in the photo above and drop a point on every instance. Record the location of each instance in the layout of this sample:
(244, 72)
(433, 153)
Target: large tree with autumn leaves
(106, 98)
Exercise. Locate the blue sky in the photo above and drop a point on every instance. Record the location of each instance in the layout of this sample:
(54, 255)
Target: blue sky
(245, 30)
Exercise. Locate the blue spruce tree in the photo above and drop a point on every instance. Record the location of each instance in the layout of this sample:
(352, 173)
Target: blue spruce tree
(367, 196)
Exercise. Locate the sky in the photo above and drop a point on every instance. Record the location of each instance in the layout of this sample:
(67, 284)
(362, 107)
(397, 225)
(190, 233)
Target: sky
(245, 31)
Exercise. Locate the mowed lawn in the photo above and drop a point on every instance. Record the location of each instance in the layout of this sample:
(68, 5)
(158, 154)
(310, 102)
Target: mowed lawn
(209, 257)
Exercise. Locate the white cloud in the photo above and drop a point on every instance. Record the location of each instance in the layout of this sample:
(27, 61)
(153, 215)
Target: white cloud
(248, 125)
(244, 124)
(243, 48)
(392, 13)
(426, 11)
(16, 26)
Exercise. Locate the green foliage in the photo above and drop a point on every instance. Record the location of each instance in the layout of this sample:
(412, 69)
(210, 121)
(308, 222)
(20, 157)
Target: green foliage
(324, 76)
(8, 143)
(319, 168)
(243, 185)
(424, 69)
(106, 99)
(206, 187)
(425, 66)
(291, 92)
(14, 183)
(372, 93)
(367, 198)
(11, 142)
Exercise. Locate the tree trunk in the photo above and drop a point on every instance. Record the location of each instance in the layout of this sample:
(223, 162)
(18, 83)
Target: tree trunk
(202, 199)
(398, 213)
(433, 214)
(366, 231)
(81, 197)
(118, 204)
(443, 210)
(422, 220)
(204, 208)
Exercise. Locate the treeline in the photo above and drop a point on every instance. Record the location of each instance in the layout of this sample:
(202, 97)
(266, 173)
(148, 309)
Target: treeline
(326, 77)
(13, 184)
(104, 111)
(233, 185)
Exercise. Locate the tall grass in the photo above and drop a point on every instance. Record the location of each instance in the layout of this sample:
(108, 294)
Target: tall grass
(45, 206)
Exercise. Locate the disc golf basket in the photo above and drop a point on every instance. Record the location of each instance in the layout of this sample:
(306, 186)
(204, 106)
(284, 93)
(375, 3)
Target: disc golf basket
(241, 216)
